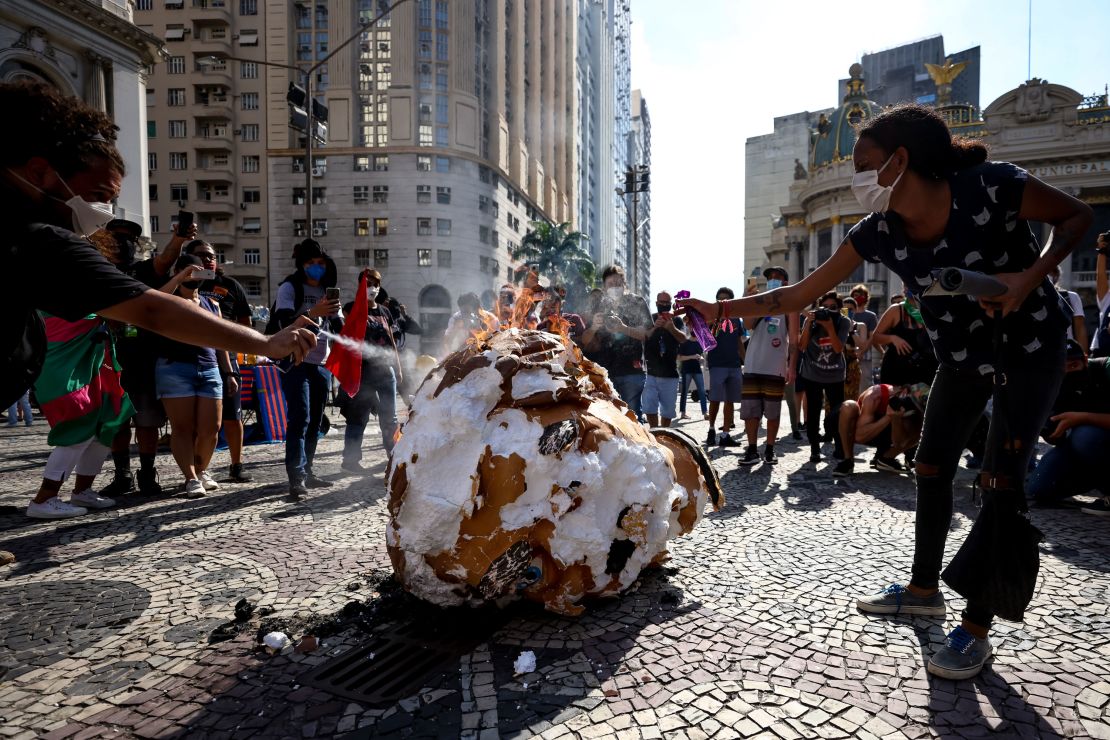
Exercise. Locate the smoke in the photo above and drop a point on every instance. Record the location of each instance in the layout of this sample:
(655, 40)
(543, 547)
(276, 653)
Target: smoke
(367, 350)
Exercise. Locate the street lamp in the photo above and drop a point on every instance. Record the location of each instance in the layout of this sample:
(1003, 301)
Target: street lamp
(636, 180)
(311, 107)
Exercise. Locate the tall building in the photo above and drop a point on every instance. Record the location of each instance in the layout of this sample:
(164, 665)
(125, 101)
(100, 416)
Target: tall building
(95, 52)
(603, 84)
(640, 153)
(205, 125)
(450, 129)
(899, 75)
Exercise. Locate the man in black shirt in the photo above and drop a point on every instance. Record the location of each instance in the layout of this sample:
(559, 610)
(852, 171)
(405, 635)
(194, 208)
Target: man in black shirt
(661, 354)
(57, 176)
(616, 337)
(228, 294)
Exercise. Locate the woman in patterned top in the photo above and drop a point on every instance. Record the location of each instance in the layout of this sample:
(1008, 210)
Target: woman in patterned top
(937, 202)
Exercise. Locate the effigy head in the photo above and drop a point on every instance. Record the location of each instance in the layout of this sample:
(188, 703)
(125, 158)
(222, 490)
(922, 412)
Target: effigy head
(520, 474)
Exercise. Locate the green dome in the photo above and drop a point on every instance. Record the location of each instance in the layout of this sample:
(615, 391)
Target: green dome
(834, 137)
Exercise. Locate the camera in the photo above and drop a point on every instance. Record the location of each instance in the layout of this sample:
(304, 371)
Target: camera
(823, 314)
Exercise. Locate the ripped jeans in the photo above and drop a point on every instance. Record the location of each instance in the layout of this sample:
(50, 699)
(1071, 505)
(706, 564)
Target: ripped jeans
(956, 403)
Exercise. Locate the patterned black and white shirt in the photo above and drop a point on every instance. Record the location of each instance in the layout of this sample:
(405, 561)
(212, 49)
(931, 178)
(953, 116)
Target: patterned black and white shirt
(983, 234)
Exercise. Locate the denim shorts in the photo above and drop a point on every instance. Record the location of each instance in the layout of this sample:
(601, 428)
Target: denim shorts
(185, 380)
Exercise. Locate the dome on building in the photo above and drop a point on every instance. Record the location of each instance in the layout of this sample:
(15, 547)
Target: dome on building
(836, 135)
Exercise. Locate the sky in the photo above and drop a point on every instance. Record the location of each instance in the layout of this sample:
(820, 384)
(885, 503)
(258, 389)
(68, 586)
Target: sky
(716, 72)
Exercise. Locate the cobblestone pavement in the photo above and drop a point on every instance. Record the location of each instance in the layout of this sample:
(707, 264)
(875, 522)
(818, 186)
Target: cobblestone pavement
(750, 631)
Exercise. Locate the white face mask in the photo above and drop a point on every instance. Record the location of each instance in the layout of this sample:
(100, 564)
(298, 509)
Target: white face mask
(372, 291)
(871, 195)
(87, 217)
(615, 292)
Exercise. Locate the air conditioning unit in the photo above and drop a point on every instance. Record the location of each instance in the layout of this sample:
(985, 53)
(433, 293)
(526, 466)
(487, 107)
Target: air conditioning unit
(242, 206)
(319, 232)
(180, 204)
(318, 171)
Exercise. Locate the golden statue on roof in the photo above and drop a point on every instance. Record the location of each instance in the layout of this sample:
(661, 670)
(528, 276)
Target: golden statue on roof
(942, 75)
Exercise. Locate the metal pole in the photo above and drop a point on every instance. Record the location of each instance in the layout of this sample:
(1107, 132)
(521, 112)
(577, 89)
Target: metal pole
(635, 243)
(308, 127)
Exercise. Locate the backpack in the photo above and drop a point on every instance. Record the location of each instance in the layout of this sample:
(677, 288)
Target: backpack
(273, 325)
(23, 347)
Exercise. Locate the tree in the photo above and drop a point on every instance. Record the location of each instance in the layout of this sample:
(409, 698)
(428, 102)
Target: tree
(557, 254)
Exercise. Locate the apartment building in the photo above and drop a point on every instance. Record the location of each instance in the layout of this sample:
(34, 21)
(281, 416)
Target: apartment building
(206, 118)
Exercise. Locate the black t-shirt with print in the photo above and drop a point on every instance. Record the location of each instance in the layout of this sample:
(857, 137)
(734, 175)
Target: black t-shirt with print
(983, 234)
(228, 294)
(620, 354)
(661, 350)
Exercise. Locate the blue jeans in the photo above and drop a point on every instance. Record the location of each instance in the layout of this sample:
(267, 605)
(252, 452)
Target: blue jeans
(376, 395)
(699, 381)
(630, 388)
(13, 412)
(306, 389)
(1077, 464)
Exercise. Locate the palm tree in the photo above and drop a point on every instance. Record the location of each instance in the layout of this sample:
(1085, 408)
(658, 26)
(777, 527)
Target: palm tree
(557, 253)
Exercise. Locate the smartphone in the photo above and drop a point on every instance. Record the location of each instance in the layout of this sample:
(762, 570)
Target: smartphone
(331, 294)
(184, 222)
(204, 275)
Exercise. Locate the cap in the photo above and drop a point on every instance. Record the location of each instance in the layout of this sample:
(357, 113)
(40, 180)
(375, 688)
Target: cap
(776, 268)
(122, 224)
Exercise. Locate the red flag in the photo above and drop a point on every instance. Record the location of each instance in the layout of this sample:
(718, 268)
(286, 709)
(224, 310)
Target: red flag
(344, 363)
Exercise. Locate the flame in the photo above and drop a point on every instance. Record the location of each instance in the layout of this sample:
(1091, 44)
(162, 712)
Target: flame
(559, 325)
(397, 435)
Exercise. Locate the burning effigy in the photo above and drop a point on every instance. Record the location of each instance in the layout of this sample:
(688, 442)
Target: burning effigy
(520, 474)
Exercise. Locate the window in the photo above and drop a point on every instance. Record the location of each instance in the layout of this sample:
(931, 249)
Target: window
(362, 164)
(441, 47)
(443, 195)
(248, 71)
(154, 224)
(483, 173)
(152, 192)
(424, 257)
(425, 137)
(251, 256)
(152, 161)
(151, 129)
(443, 226)
(144, 5)
(248, 7)
(150, 97)
(249, 132)
(175, 96)
(443, 164)
(362, 256)
(221, 256)
(252, 226)
(441, 109)
(251, 163)
(381, 226)
(179, 192)
(483, 205)
(381, 193)
(381, 163)
(423, 163)
(179, 160)
(248, 38)
(441, 13)
(424, 226)
(252, 195)
(299, 227)
(175, 66)
(361, 194)
(319, 196)
(249, 101)
(483, 264)
(424, 47)
(252, 287)
(175, 4)
(441, 78)
(441, 136)
(178, 130)
(298, 164)
(175, 33)
(423, 193)
(495, 267)
(425, 13)
(319, 227)
(381, 258)
(362, 227)
(443, 258)
(298, 196)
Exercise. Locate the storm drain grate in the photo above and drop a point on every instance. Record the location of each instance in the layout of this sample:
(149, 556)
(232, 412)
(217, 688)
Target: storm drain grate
(395, 665)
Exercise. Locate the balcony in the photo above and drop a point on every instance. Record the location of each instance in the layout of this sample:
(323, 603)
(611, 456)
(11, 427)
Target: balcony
(1084, 279)
(216, 233)
(214, 107)
(212, 170)
(876, 288)
(205, 43)
(214, 204)
(215, 75)
(212, 140)
(211, 10)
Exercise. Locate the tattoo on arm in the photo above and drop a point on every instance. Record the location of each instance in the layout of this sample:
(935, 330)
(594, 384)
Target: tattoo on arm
(772, 300)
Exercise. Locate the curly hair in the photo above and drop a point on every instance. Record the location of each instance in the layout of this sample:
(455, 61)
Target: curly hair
(934, 152)
(43, 122)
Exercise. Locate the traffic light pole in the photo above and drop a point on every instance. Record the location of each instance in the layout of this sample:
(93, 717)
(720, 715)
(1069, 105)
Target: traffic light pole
(635, 244)
(308, 130)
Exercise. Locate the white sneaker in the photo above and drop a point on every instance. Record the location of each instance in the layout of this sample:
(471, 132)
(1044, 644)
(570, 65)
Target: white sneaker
(207, 482)
(54, 508)
(194, 489)
(92, 499)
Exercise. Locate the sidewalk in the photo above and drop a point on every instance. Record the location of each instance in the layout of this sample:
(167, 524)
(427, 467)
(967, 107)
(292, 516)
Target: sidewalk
(750, 631)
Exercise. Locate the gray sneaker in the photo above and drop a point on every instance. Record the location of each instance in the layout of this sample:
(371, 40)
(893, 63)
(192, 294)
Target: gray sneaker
(895, 599)
(962, 656)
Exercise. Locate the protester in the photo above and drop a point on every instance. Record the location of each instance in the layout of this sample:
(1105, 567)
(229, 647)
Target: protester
(689, 367)
(189, 380)
(1079, 429)
(858, 342)
(506, 304)
(1100, 342)
(768, 368)
(725, 377)
(908, 356)
(864, 315)
(661, 356)
(227, 294)
(616, 334)
(55, 186)
(885, 417)
(823, 336)
(381, 371)
(1078, 328)
(470, 319)
(551, 309)
(21, 411)
(81, 397)
(938, 199)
